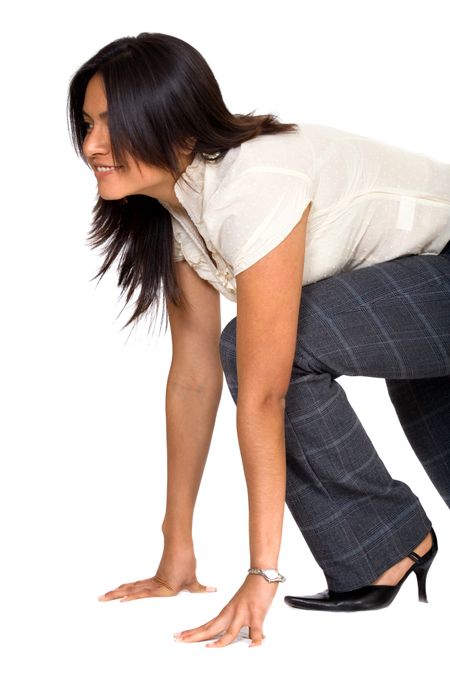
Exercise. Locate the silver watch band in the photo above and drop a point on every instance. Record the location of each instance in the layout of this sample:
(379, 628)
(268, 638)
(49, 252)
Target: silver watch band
(270, 574)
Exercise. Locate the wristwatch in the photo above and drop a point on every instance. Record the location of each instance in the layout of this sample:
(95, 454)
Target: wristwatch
(270, 574)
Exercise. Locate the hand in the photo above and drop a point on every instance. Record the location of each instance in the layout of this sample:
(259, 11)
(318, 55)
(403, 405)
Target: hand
(176, 572)
(249, 606)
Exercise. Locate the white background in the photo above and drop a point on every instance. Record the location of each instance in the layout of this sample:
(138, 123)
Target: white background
(83, 460)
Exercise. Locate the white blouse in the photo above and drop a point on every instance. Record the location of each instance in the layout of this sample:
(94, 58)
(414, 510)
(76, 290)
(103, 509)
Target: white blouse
(371, 202)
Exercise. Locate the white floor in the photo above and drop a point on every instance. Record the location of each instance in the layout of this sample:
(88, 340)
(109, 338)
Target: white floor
(85, 518)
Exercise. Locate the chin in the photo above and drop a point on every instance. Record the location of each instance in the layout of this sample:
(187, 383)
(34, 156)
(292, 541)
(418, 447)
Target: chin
(111, 197)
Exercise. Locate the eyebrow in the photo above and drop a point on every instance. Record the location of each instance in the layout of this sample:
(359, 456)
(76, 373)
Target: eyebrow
(101, 115)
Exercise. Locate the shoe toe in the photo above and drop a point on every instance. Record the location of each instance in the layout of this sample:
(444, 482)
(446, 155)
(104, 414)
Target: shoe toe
(362, 599)
(307, 601)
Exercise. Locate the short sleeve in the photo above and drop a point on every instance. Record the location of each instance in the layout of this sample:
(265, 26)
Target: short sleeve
(257, 210)
(177, 251)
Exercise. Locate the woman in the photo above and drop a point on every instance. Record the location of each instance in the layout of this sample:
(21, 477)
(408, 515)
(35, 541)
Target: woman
(272, 215)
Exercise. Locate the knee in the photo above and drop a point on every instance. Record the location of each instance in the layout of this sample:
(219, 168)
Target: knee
(228, 335)
(304, 360)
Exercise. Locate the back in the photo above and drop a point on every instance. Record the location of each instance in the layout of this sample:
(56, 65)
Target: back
(372, 202)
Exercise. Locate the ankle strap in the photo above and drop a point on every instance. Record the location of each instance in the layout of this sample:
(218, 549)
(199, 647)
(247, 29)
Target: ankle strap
(415, 556)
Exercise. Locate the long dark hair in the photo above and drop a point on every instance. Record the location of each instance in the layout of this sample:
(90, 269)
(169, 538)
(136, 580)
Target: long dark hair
(160, 93)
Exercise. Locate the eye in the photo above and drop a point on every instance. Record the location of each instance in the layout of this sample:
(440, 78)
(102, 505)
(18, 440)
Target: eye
(85, 126)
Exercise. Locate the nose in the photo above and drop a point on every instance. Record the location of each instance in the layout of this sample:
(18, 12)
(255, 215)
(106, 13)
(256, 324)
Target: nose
(96, 141)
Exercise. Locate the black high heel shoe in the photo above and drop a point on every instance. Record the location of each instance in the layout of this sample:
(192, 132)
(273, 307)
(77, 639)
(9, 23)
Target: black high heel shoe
(371, 596)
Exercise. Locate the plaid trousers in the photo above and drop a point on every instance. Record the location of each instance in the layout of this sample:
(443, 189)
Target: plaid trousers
(391, 321)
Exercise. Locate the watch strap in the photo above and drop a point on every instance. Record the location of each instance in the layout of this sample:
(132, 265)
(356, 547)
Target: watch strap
(264, 572)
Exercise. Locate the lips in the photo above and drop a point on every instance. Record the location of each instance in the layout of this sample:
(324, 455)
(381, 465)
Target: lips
(101, 171)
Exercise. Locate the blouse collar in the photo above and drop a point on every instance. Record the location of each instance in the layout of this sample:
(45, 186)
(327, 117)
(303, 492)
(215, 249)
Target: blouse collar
(190, 186)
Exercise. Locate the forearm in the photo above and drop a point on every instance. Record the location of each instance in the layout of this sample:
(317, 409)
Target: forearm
(191, 411)
(262, 444)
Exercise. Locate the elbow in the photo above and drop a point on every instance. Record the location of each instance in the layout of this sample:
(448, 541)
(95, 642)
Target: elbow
(256, 399)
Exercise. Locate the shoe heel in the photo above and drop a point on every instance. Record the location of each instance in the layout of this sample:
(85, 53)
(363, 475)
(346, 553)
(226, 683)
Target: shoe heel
(421, 573)
(422, 565)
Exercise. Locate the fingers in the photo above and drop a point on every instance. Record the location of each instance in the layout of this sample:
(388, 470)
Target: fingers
(227, 634)
(256, 635)
(123, 589)
(218, 626)
(146, 592)
(203, 632)
(152, 587)
(159, 589)
(227, 637)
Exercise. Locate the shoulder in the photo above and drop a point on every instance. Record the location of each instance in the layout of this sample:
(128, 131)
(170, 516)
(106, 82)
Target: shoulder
(263, 165)
(266, 188)
(288, 151)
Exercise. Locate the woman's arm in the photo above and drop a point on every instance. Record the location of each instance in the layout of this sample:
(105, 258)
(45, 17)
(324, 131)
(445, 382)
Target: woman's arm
(269, 295)
(193, 392)
(190, 417)
(260, 427)
(194, 388)
(268, 308)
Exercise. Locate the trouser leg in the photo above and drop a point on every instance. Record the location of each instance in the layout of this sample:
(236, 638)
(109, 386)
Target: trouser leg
(391, 321)
(423, 409)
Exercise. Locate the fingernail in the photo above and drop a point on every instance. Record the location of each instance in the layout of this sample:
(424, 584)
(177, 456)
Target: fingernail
(211, 589)
(176, 634)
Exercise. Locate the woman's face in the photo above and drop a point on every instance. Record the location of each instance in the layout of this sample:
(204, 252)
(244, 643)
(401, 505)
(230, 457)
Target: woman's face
(120, 181)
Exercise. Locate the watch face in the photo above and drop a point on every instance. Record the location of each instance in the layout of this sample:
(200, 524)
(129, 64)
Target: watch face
(271, 573)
